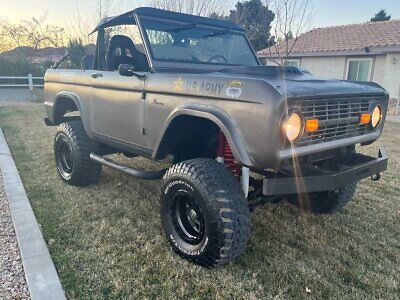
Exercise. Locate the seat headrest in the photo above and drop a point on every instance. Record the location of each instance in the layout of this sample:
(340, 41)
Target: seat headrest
(121, 41)
(137, 58)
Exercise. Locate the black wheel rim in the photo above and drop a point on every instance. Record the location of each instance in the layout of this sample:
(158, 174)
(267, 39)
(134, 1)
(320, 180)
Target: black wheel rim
(65, 161)
(187, 217)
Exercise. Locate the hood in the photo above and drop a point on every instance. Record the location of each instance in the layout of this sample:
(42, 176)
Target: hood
(296, 82)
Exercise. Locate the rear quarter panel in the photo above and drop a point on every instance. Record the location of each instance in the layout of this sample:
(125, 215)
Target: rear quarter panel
(74, 84)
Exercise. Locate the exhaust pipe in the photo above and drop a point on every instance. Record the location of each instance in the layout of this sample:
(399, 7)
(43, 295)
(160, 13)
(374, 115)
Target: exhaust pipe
(137, 173)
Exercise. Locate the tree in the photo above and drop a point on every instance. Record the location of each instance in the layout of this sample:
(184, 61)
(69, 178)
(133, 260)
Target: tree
(19, 66)
(80, 25)
(103, 8)
(5, 43)
(193, 7)
(76, 51)
(256, 19)
(292, 17)
(381, 16)
(34, 33)
(215, 15)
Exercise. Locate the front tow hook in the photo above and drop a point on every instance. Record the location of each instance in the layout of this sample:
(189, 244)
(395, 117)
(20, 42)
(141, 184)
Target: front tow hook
(376, 177)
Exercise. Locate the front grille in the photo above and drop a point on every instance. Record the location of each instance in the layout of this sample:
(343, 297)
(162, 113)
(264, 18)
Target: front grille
(338, 119)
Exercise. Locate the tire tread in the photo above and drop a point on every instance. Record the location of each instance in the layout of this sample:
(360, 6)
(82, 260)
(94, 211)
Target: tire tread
(222, 193)
(86, 171)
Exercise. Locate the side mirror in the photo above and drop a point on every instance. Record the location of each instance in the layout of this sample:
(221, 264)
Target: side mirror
(129, 71)
(126, 70)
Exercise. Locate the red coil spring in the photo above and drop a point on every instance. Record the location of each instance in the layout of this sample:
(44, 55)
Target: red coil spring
(225, 151)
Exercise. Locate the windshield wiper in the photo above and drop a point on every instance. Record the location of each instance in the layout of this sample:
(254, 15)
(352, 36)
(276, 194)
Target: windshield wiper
(217, 33)
(182, 28)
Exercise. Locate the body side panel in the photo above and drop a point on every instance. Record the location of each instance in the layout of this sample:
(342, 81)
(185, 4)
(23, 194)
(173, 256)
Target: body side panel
(212, 98)
(117, 107)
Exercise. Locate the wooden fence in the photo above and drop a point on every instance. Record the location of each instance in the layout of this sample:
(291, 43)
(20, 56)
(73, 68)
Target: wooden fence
(29, 82)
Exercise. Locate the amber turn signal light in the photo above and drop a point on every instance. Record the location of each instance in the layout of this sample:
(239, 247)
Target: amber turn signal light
(365, 119)
(312, 125)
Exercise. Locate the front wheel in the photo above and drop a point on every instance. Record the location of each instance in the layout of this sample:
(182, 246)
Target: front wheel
(204, 212)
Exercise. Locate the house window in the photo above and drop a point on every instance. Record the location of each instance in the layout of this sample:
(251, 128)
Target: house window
(293, 63)
(359, 69)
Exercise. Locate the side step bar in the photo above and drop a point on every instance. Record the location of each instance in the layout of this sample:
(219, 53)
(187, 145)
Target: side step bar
(137, 173)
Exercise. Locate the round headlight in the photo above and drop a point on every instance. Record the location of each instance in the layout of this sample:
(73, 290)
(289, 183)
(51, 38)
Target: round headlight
(376, 116)
(293, 126)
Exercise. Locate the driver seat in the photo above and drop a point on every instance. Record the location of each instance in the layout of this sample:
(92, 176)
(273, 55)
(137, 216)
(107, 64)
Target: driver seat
(122, 50)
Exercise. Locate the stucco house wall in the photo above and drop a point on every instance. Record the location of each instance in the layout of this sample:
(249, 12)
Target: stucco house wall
(333, 67)
(392, 74)
(378, 70)
(329, 67)
(385, 69)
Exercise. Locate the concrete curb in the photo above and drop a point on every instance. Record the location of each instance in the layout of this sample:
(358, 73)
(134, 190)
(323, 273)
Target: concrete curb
(40, 273)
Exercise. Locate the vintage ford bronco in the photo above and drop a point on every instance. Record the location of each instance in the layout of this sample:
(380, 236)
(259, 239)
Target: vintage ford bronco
(191, 92)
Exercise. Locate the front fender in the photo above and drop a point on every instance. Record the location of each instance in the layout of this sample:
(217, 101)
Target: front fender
(218, 117)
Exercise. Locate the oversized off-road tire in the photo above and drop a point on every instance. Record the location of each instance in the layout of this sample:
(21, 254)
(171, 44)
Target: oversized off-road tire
(204, 212)
(325, 202)
(72, 148)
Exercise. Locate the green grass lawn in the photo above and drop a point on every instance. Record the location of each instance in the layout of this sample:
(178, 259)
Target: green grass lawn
(107, 241)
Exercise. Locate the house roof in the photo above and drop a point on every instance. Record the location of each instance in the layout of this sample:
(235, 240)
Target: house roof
(346, 38)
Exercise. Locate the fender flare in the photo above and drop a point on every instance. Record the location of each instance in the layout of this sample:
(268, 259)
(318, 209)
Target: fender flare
(219, 117)
(75, 98)
(69, 95)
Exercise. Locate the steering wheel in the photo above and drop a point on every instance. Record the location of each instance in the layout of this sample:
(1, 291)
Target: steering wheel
(217, 56)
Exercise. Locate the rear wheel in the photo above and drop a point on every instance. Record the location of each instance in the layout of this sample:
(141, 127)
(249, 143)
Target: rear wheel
(72, 148)
(204, 212)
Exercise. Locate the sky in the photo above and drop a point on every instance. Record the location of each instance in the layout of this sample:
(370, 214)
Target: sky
(325, 12)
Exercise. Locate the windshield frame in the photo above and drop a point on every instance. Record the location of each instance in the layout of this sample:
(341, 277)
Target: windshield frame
(160, 63)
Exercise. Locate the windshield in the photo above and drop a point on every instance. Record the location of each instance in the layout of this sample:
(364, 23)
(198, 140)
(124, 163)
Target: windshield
(190, 43)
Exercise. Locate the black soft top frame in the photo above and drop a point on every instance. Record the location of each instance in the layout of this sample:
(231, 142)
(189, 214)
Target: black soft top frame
(129, 18)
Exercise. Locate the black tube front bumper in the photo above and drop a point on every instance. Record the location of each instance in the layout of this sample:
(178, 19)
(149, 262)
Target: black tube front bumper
(354, 167)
